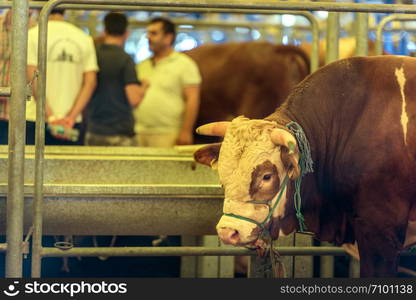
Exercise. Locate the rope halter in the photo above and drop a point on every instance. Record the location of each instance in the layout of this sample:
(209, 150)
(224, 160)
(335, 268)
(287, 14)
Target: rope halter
(271, 209)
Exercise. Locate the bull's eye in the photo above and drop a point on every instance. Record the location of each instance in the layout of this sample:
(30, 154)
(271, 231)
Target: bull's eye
(267, 177)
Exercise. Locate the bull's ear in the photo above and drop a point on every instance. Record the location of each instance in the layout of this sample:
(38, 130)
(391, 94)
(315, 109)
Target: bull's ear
(289, 151)
(208, 155)
(290, 160)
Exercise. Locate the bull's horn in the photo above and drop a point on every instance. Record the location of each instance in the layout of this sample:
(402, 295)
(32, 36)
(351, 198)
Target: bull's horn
(282, 137)
(215, 129)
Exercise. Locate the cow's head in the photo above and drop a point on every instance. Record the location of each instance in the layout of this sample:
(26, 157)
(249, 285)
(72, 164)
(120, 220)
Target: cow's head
(253, 161)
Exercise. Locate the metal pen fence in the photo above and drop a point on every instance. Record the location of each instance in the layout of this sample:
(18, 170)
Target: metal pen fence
(15, 195)
(383, 23)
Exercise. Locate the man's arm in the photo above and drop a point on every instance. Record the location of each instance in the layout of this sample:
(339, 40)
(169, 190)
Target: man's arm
(88, 86)
(191, 94)
(30, 71)
(135, 92)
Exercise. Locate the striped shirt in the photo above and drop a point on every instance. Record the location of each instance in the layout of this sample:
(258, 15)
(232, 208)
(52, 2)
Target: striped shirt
(5, 54)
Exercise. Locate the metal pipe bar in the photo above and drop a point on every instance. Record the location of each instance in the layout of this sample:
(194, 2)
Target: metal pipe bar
(407, 29)
(220, 6)
(361, 34)
(39, 143)
(332, 37)
(243, 4)
(326, 263)
(17, 134)
(354, 268)
(315, 41)
(5, 92)
(383, 23)
(184, 251)
(140, 24)
(332, 54)
(192, 251)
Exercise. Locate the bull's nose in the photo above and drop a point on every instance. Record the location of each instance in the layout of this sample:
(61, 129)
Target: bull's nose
(229, 235)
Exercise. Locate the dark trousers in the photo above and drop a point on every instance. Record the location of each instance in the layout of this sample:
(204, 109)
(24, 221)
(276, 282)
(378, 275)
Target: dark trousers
(30, 135)
(4, 132)
(49, 138)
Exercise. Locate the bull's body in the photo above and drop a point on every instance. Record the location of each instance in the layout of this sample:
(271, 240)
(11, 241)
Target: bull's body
(359, 116)
(250, 78)
(362, 132)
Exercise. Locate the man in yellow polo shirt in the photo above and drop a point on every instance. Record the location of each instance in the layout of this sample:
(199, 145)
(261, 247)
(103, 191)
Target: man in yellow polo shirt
(168, 112)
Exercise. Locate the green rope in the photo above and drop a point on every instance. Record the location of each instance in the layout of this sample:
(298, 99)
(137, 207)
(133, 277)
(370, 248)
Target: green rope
(412, 249)
(306, 166)
(305, 162)
(245, 219)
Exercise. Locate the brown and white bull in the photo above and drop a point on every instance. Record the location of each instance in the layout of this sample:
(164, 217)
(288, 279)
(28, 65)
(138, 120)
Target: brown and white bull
(359, 117)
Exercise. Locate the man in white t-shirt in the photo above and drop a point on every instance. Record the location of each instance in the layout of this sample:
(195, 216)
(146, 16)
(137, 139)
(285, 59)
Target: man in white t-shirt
(71, 75)
(168, 112)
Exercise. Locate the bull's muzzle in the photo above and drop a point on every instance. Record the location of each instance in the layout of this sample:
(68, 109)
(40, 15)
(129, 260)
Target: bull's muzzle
(228, 236)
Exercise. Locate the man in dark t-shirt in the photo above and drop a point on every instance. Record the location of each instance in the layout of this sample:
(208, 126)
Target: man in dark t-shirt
(110, 120)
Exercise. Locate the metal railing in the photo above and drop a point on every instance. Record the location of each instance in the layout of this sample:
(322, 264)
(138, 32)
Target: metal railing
(18, 88)
(383, 23)
(17, 133)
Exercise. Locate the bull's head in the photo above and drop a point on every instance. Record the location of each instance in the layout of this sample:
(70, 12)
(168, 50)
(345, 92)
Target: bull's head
(253, 161)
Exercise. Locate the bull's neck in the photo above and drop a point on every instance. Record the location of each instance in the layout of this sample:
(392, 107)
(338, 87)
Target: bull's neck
(315, 131)
(314, 187)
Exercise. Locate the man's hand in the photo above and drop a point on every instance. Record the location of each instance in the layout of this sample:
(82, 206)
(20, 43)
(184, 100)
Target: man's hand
(185, 138)
(69, 122)
(191, 94)
(66, 122)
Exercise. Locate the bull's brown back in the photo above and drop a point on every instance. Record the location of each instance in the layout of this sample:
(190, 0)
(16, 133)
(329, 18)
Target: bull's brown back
(250, 78)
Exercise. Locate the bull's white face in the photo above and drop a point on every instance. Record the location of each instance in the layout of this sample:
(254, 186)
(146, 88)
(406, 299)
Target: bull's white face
(250, 169)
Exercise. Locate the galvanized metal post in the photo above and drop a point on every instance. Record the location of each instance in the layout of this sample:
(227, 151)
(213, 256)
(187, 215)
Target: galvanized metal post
(361, 34)
(303, 265)
(315, 41)
(209, 266)
(92, 25)
(288, 261)
(40, 141)
(17, 136)
(354, 268)
(279, 33)
(327, 264)
(332, 53)
(189, 264)
(332, 36)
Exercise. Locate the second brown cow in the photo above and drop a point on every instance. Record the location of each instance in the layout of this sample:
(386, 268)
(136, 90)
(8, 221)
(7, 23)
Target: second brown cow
(250, 78)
